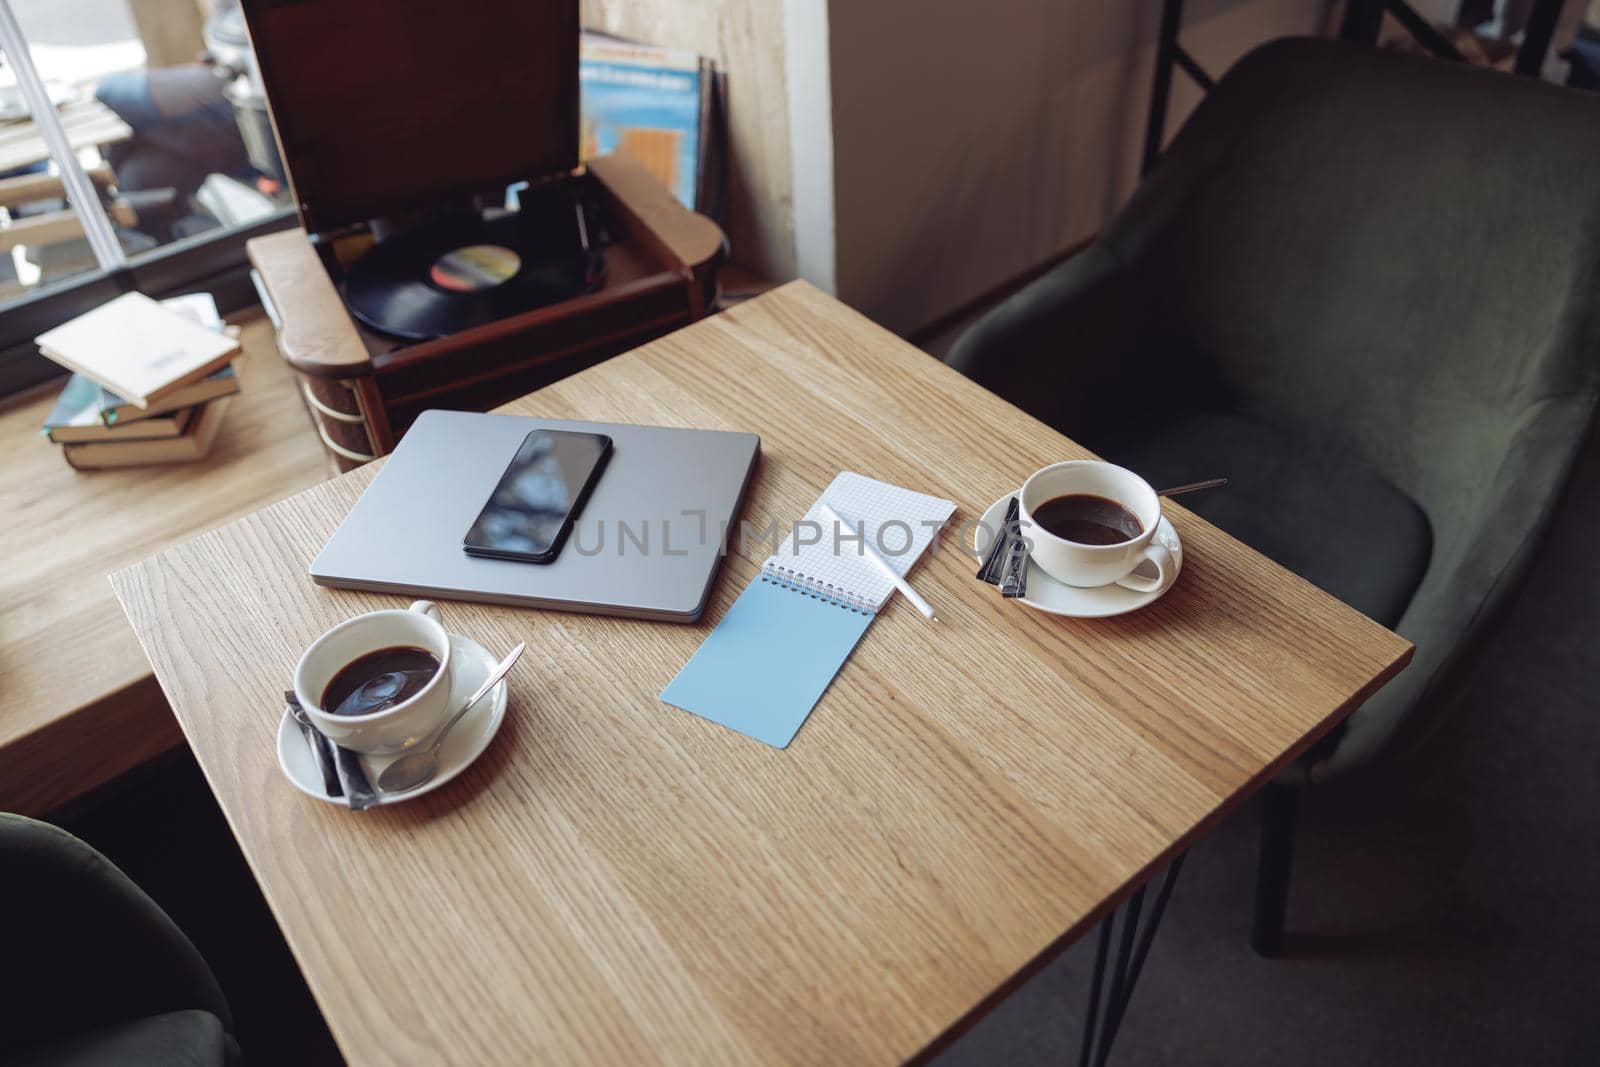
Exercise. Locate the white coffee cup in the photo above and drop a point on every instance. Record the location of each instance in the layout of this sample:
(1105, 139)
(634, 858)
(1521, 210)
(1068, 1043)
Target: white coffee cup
(399, 726)
(1090, 566)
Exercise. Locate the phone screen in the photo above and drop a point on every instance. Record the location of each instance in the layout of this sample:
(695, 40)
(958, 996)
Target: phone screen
(540, 494)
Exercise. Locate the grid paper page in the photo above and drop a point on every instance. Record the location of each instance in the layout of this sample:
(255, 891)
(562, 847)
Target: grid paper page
(899, 524)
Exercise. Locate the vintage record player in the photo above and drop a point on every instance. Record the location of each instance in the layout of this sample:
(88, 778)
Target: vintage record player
(453, 254)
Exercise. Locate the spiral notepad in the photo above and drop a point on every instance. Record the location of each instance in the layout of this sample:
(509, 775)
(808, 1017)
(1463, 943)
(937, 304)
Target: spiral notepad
(774, 653)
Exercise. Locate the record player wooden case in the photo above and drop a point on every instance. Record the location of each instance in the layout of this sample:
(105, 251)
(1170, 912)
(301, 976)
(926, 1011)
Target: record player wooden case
(392, 112)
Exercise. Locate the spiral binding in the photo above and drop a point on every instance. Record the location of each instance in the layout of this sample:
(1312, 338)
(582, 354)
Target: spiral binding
(823, 591)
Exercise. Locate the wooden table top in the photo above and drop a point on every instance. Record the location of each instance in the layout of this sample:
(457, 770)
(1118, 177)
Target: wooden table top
(78, 704)
(619, 881)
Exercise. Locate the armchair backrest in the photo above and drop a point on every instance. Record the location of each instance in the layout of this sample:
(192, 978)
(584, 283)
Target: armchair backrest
(1388, 253)
(1397, 259)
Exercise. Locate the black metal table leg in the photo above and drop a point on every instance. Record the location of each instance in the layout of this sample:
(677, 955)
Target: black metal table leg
(1133, 945)
(1086, 1054)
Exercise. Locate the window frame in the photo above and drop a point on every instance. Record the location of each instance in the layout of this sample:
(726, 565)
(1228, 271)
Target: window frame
(213, 261)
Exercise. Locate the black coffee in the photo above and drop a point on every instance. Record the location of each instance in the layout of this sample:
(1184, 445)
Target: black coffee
(1087, 519)
(379, 679)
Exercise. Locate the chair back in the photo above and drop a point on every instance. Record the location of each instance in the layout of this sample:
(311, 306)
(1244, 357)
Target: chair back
(1392, 255)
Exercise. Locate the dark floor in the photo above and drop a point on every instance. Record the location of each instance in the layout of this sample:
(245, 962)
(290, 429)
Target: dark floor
(1445, 907)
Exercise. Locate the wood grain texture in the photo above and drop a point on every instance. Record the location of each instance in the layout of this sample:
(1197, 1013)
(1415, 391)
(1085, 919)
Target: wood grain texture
(317, 335)
(693, 240)
(618, 881)
(77, 703)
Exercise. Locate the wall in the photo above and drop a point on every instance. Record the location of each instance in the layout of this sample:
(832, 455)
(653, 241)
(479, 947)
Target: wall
(745, 38)
(973, 140)
(810, 107)
(922, 153)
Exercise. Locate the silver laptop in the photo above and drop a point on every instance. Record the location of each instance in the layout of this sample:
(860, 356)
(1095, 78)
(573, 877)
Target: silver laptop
(647, 543)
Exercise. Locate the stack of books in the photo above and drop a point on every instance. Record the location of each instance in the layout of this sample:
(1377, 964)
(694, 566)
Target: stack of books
(150, 383)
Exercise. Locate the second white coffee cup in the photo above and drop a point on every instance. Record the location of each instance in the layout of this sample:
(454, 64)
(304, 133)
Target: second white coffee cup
(1090, 566)
(399, 726)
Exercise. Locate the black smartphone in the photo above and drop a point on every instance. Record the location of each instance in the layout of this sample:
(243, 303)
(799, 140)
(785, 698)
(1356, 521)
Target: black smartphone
(531, 511)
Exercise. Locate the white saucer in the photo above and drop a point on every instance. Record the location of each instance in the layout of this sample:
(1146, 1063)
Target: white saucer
(465, 743)
(1057, 598)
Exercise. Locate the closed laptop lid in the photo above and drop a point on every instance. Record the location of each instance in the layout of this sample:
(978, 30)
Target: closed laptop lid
(647, 544)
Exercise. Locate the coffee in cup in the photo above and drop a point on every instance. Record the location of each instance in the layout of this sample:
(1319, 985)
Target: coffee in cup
(1091, 523)
(1087, 519)
(380, 682)
(379, 679)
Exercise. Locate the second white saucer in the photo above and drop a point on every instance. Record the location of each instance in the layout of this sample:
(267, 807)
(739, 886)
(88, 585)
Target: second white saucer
(462, 745)
(1057, 598)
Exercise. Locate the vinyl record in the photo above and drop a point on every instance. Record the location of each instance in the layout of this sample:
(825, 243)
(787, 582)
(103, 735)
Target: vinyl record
(461, 272)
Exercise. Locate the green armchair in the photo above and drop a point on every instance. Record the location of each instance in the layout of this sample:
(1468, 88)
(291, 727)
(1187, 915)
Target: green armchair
(1362, 286)
(93, 971)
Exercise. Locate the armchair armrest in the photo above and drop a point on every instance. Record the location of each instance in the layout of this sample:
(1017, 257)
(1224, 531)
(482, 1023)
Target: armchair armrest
(86, 947)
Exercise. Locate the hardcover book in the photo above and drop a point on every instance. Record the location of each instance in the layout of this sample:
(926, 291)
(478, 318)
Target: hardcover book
(201, 308)
(79, 415)
(138, 349)
(115, 411)
(195, 443)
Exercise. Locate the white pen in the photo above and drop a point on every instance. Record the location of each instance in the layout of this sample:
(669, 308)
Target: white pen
(871, 553)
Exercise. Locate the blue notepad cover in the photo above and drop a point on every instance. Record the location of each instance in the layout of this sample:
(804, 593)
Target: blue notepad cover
(768, 661)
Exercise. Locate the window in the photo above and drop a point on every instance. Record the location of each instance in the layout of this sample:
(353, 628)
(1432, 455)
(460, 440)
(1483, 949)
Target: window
(135, 153)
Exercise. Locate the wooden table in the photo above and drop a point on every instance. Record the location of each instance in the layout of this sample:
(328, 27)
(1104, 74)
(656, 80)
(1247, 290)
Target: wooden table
(78, 704)
(618, 881)
(88, 122)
